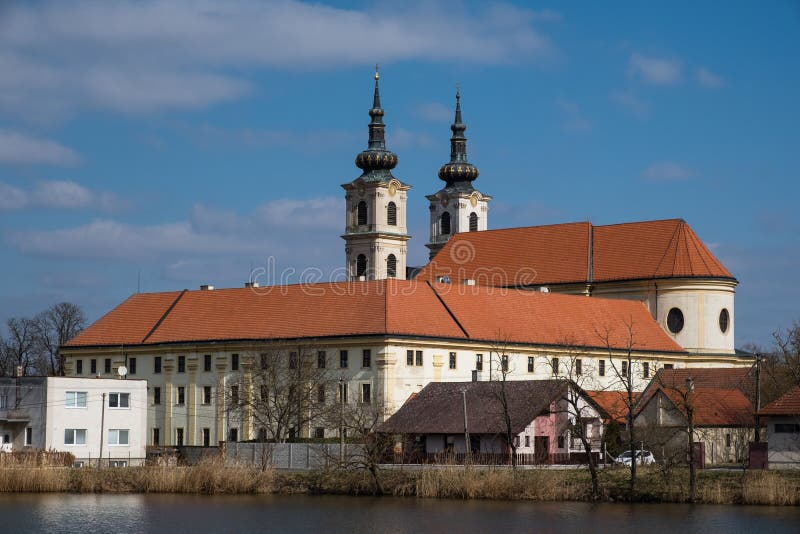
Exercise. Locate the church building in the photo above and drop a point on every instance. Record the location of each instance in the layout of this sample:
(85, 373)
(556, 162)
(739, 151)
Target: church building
(602, 304)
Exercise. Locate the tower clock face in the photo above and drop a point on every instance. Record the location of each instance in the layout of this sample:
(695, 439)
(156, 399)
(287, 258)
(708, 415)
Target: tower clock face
(392, 189)
(473, 200)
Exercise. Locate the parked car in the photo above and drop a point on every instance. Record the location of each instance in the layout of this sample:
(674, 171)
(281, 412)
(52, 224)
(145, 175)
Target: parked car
(642, 458)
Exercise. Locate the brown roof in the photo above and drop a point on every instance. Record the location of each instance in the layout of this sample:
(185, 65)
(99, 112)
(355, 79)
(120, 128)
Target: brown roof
(387, 307)
(712, 406)
(439, 407)
(788, 404)
(576, 253)
(740, 378)
(614, 403)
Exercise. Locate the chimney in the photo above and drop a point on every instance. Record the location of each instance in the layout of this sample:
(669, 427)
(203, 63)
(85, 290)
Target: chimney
(251, 284)
(544, 289)
(206, 287)
(468, 282)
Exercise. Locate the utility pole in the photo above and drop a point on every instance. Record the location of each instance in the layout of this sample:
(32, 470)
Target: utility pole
(690, 420)
(342, 400)
(759, 357)
(102, 423)
(467, 448)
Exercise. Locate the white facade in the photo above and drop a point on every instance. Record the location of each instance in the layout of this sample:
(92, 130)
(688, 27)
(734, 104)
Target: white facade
(465, 211)
(783, 437)
(87, 416)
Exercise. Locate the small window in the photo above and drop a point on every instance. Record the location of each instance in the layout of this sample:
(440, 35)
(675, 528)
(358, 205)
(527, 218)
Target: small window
(409, 357)
(76, 399)
(92, 366)
(366, 358)
(28, 436)
(119, 400)
(118, 436)
(391, 266)
(530, 364)
(321, 393)
(516, 441)
(675, 320)
(578, 367)
(419, 357)
(206, 394)
(156, 395)
(293, 360)
(157, 365)
(322, 359)
(361, 265)
(527, 441)
(445, 223)
(107, 366)
(391, 214)
(728, 440)
(75, 436)
(179, 437)
(263, 360)
(233, 434)
(234, 394)
(452, 360)
(234, 362)
(3, 402)
(561, 442)
(319, 433)
(669, 366)
(554, 363)
(479, 362)
(181, 395)
(601, 367)
(78, 367)
(787, 428)
(132, 366)
(156, 436)
(264, 392)
(206, 363)
(206, 437)
(343, 392)
(366, 393)
(504, 362)
(645, 370)
(473, 222)
(624, 369)
(724, 320)
(118, 463)
(361, 213)
(343, 359)
(181, 364)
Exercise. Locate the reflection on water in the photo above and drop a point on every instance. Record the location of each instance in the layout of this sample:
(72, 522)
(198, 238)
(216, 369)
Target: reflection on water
(191, 513)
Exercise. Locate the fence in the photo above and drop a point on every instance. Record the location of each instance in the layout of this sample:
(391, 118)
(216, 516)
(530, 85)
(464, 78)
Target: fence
(487, 458)
(300, 456)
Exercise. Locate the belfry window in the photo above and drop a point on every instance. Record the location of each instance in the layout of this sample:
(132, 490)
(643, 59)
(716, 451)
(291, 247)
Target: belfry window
(391, 214)
(391, 266)
(445, 223)
(362, 213)
(361, 265)
(473, 222)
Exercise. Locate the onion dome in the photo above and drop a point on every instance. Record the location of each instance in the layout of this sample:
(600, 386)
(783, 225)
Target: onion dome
(376, 162)
(458, 170)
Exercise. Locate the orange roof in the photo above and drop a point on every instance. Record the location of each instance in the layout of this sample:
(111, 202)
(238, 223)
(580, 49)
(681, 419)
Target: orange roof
(614, 403)
(788, 404)
(576, 253)
(713, 406)
(387, 307)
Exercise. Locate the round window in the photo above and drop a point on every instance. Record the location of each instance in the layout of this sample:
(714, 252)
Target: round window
(675, 320)
(724, 320)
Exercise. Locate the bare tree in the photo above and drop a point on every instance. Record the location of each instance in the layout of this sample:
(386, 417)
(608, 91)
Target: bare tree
(19, 346)
(53, 328)
(283, 390)
(499, 368)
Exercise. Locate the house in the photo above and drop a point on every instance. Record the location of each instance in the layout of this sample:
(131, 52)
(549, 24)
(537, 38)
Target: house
(721, 413)
(783, 429)
(435, 422)
(83, 416)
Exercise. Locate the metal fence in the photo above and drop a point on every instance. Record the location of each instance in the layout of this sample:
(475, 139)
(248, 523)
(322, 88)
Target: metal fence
(299, 456)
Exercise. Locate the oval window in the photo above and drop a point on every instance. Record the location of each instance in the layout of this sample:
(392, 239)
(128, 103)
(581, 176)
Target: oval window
(675, 320)
(724, 320)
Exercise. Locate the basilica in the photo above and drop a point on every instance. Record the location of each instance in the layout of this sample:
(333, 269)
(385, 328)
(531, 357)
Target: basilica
(606, 304)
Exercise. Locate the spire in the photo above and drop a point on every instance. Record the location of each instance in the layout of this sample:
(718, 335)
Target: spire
(376, 161)
(458, 170)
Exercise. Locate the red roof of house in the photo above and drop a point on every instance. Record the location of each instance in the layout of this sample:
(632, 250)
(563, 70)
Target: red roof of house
(386, 307)
(614, 403)
(576, 253)
(713, 406)
(788, 404)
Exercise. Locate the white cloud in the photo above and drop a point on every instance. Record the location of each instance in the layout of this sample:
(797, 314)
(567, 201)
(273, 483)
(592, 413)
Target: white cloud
(708, 79)
(667, 171)
(57, 194)
(574, 119)
(631, 103)
(654, 71)
(20, 149)
(134, 56)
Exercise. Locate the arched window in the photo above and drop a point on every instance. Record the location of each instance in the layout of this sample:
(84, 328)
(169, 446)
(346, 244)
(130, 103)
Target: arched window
(473, 222)
(362, 213)
(445, 224)
(391, 266)
(361, 265)
(391, 214)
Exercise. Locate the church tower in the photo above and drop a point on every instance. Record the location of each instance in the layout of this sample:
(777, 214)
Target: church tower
(375, 228)
(458, 207)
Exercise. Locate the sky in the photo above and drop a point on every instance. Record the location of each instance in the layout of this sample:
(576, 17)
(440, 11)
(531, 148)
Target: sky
(160, 145)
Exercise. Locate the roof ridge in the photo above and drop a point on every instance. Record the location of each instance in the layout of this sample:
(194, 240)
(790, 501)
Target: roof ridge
(164, 315)
(697, 249)
(446, 307)
(666, 250)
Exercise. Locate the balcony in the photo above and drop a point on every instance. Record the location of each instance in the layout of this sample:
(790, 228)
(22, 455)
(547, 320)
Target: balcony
(14, 416)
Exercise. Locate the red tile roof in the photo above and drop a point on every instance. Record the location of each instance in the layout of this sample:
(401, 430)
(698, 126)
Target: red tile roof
(576, 253)
(713, 406)
(387, 307)
(788, 404)
(614, 403)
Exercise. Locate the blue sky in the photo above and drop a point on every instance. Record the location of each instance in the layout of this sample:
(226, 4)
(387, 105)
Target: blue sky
(180, 143)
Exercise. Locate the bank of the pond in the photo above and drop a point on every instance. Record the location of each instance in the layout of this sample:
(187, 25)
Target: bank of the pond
(653, 485)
